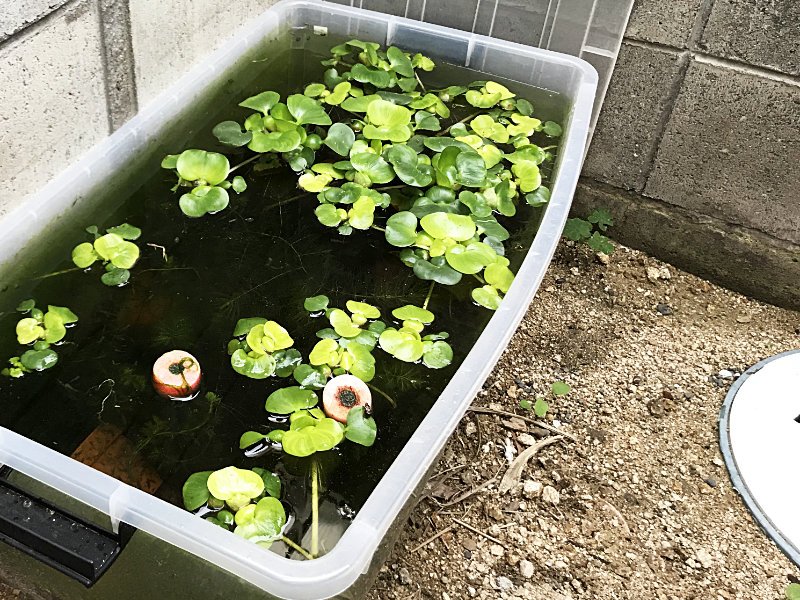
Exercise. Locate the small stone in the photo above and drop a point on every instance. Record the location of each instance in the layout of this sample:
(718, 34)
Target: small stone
(540, 432)
(744, 319)
(718, 461)
(704, 558)
(526, 569)
(602, 258)
(526, 439)
(496, 550)
(470, 544)
(495, 513)
(664, 309)
(597, 434)
(470, 428)
(405, 577)
(652, 274)
(656, 407)
(550, 494)
(711, 482)
(504, 584)
(532, 489)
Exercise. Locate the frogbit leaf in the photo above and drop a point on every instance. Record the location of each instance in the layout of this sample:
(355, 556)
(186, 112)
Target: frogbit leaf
(230, 133)
(262, 102)
(204, 167)
(401, 229)
(259, 366)
(290, 399)
(195, 490)
(360, 428)
(340, 138)
(307, 111)
(487, 297)
(121, 253)
(437, 355)
(202, 200)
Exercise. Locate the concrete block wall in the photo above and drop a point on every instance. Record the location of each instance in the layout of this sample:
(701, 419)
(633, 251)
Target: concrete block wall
(697, 148)
(696, 152)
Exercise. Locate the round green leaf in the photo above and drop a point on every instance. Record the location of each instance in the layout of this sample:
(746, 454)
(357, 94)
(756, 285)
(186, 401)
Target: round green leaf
(559, 388)
(83, 255)
(230, 133)
(361, 362)
(115, 277)
(313, 378)
(340, 138)
(342, 323)
(410, 312)
(324, 435)
(437, 355)
(403, 345)
(272, 483)
(199, 165)
(359, 104)
(499, 276)
(316, 303)
(401, 229)
(289, 399)
(313, 183)
(29, 330)
(243, 326)
(262, 102)
(286, 361)
(314, 89)
(275, 141)
(470, 259)
(258, 367)
(121, 253)
(552, 129)
(476, 203)
(471, 168)
(339, 93)
(26, 305)
(239, 184)
(405, 163)
(373, 166)
(360, 428)
(377, 77)
(249, 438)
(324, 352)
(491, 227)
(230, 481)
(195, 490)
(487, 296)
(447, 225)
(362, 308)
(362, 213)
(202, 199)
(38, 360)
(328, 215)
(307, 111)
(528, 175)
(436, 270)
(126, 231)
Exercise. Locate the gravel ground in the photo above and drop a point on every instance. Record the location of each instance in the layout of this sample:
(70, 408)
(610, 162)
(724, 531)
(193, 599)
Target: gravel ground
(637, 505)
(637, 502)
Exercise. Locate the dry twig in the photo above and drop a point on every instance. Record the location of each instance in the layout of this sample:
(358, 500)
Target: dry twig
(479, 532)
(542, 424)
(514, 472)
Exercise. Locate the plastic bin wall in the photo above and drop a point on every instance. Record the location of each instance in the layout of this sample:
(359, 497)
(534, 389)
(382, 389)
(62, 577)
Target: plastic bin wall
(117, 159)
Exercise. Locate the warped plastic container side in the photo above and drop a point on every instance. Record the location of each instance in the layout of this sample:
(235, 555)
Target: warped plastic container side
(336, 571)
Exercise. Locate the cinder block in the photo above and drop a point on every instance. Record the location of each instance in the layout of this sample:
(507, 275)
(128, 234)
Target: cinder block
(519, 21)
(731, 150)
(459, 14)
(741, 259)
(760, 33)
(52, 100)
(17, 14)
(391, 7)
(627, 129)
(668, 23)
(169, 38)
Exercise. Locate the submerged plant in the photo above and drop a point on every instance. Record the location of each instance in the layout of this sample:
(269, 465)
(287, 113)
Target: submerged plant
(369, 138)
(115, 250)
(40, 330)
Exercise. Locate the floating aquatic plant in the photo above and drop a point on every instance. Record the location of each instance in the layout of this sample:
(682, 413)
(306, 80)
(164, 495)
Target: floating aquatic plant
(115, 250)
(369, 140)
(41, 330)
(261, 348)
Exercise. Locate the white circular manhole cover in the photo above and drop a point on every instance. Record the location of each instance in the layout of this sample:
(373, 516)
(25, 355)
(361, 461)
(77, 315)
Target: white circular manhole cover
(760, 441)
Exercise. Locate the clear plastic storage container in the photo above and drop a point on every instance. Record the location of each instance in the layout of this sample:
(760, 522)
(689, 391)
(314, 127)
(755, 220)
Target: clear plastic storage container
(147, 566)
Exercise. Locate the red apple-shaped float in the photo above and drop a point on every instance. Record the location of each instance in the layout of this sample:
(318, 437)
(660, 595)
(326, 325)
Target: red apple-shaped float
(176, 375)
(343, 393)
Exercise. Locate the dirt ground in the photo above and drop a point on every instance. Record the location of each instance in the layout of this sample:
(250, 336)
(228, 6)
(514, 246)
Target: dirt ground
(639, 504)
(636, 503)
